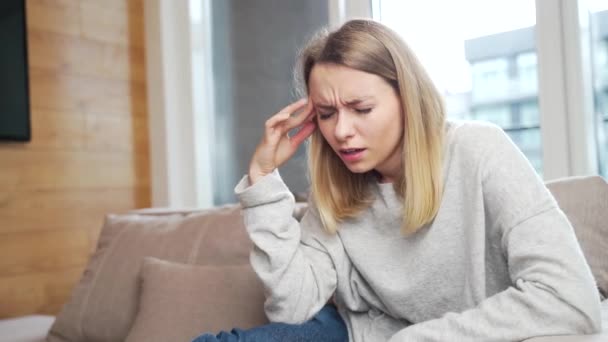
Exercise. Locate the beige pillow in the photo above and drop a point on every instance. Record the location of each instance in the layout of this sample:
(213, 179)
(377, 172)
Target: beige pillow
(103, 304)
(584, 200)
(179, 302)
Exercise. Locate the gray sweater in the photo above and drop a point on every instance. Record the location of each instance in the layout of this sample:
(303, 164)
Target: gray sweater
(500, 262)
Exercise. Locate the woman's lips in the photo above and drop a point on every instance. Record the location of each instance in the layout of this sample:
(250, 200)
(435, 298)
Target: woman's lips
(352, 154)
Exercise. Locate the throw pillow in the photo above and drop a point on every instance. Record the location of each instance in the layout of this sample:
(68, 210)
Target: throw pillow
(179, 302)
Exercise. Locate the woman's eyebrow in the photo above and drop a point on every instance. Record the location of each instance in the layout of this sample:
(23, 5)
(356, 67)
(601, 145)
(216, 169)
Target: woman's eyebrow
(321, 106)
(350, 103)
(358, 100)
(354, 102)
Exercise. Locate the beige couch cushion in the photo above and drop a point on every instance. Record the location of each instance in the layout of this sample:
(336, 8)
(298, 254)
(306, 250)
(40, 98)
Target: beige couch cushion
(179, 302)
(585, 201)
(103, 304)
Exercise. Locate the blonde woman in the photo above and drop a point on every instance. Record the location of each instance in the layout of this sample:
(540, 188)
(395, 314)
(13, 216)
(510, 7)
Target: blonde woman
(419, 229)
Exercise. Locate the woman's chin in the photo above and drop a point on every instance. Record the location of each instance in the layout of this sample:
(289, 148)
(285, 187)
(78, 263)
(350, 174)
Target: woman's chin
(357, 168)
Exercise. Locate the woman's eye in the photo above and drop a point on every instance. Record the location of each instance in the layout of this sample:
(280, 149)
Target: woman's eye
(325, 116)
(363, 111)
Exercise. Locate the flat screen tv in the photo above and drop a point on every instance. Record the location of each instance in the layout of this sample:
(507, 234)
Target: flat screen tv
(14, 92)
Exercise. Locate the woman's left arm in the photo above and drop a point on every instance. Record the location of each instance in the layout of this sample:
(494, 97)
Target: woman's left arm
(552, 292)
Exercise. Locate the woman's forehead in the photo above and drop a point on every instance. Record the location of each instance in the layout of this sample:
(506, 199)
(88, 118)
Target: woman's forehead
(331, 83)
(338, 75)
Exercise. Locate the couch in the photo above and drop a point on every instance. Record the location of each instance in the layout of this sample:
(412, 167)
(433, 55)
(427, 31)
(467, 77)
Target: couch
(168, 275)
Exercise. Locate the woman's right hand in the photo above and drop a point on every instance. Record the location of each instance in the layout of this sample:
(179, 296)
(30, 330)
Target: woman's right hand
(276, 147)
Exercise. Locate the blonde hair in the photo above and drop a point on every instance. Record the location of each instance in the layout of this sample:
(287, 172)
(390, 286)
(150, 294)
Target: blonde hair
(338, 193)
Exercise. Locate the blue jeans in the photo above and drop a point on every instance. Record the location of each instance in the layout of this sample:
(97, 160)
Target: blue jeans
(326, 326)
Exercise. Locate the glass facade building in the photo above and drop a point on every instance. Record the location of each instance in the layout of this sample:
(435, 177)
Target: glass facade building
(505, 86)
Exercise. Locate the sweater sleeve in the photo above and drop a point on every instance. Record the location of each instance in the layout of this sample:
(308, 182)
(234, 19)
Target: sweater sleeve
(288, 257)
(553, 291)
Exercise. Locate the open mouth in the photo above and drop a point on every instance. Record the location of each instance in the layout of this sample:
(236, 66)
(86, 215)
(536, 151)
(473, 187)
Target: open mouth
(351, 155)
(351, 151)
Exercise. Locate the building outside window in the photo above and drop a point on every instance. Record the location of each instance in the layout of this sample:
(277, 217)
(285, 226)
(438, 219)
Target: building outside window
(505, 87)
(486, 63)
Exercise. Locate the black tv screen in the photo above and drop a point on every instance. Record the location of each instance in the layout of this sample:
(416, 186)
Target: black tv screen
(14, 94)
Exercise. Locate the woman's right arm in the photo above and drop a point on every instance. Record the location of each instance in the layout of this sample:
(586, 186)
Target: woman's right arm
(293, 264)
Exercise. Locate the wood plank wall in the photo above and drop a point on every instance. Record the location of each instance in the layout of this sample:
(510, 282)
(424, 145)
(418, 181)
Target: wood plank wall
(89, 150)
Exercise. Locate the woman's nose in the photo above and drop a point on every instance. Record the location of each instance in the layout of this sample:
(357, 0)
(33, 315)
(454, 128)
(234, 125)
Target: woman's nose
(344, 126)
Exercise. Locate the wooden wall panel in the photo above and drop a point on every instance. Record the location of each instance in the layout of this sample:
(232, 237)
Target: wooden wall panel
(89, 150)
(56, 209)
(60, 16)
(107, 21)
(47, 251)
(47, 170)
(71, 55)
(41, 292)
(62, 91)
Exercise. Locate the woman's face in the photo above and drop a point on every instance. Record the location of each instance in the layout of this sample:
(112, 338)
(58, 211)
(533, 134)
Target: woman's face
(359, 114)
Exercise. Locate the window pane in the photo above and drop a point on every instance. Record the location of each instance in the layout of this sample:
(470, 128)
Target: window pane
(598, 34)
(252, 65)
(481, 54)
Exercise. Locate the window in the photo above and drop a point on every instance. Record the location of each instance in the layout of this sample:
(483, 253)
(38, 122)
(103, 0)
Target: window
(482, 57)
(597, 14)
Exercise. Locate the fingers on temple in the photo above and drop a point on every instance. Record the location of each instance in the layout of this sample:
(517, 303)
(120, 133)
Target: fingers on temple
(304, 132)
(283, 117)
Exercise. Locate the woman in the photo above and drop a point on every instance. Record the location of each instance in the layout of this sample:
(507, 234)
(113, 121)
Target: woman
(419, 229)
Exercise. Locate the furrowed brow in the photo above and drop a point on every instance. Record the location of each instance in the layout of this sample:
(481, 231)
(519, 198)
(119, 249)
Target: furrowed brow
(326, 107)
(357, 101)
(350, 103)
